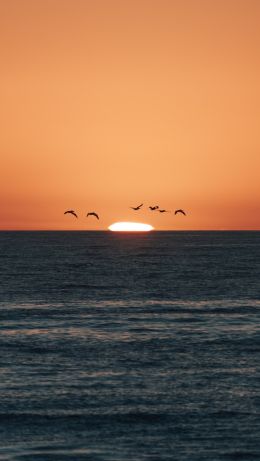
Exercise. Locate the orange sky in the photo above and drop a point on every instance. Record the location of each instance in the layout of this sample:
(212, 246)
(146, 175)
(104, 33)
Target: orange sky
(106, 104)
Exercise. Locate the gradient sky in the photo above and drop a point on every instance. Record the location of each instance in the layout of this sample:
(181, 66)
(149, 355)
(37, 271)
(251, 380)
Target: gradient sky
(106, 104)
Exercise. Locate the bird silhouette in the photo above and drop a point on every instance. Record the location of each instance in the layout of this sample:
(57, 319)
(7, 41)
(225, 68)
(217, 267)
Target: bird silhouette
(71, 212)
(180, 211)
(163, 211)
(152, 208)
(137, 207)
(92, 213)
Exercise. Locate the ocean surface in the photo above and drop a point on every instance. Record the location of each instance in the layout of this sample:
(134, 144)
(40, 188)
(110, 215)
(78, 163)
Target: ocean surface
(129, 347)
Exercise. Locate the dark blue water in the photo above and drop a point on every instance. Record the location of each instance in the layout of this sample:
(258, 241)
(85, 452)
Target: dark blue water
(129, 346)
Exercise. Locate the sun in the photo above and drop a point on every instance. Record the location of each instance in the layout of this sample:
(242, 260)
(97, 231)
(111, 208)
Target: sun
(130, 227)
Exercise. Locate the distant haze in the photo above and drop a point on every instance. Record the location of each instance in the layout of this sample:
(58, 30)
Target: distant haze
(107, 104)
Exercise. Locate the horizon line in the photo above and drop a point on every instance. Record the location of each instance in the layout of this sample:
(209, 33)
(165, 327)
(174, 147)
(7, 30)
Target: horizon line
(107, 230)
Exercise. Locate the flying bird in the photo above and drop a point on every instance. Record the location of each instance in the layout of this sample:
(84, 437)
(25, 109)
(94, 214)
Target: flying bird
(137, 207)
(163, 211)
(92, 213)
(180, 211)
(71, 212)
(152, 208)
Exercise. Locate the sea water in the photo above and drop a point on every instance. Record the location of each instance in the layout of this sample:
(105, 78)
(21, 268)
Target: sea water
(129, 346)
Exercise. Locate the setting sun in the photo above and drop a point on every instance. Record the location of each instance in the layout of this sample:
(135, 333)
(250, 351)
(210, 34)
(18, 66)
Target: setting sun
(130, 227)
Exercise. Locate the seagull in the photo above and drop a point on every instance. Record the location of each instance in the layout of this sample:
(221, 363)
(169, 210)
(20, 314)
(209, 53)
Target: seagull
(180, 211)
(92, 213)
(71, 212)
(152, 208)
(163, 211)
(137, 207)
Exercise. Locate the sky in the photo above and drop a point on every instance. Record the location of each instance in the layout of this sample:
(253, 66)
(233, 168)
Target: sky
(108, 104)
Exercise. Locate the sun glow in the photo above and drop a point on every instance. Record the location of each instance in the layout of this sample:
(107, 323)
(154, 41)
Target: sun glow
(130, 227)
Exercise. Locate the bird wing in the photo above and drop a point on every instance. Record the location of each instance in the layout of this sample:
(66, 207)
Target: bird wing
(139, 206)
(92, 213)
(180, 211)
(71, 212)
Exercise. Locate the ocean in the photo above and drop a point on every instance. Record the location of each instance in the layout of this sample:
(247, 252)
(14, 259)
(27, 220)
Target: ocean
(129, 346)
